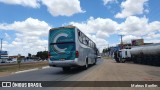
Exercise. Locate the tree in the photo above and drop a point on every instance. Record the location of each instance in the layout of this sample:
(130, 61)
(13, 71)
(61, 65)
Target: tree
(105, 50)
(29, 55)
(42, 54)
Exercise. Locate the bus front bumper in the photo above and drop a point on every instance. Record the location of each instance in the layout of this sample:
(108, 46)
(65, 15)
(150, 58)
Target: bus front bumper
(65, 63)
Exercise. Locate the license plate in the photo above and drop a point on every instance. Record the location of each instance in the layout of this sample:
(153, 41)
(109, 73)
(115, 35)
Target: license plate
(62, 59)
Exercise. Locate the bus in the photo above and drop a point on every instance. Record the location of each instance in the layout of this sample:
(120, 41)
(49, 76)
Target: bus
(69, 47)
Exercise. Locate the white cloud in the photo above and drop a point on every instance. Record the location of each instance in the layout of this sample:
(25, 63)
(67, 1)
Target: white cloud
(152, 40)
(152, 35)
(101, 34)
(155, 25)
(98, 29)
(128, 38)
(134, 25)
(138, 26)
(63, 7)
(28, 27)
(101, 44)
(135, 28)
(92, 25)
(7, 36)
(55, 7)
(27, 3)
(29, 36)
(105, 2)
(131, 7)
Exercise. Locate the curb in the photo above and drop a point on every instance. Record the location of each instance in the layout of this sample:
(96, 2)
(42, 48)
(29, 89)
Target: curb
(34, 69)
(45, 67)
(26, 70)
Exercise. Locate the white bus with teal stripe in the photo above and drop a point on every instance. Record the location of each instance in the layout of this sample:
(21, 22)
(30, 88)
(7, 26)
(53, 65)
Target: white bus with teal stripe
(69, 47)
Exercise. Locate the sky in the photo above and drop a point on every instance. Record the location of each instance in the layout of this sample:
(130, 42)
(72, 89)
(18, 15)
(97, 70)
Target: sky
(24, 24)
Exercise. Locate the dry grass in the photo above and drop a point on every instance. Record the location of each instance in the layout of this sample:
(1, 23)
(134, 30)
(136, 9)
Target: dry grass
(24, 66)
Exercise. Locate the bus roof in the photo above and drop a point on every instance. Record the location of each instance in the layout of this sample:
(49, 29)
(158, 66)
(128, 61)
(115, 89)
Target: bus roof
(69, 26)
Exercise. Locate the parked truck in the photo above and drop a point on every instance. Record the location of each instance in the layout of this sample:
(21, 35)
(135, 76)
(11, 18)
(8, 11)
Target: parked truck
(122, 55)
(146, 54)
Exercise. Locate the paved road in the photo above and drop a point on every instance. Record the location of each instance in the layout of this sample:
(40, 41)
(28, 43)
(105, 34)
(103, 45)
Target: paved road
(105, 70)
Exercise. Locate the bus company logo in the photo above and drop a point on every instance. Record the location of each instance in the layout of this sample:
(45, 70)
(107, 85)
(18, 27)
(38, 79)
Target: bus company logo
(6, 84)
(55, 40)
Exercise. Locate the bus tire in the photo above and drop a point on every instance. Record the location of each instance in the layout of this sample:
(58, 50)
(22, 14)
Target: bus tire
(66, 69)
(122, 60)
(117, 60)
(86, 65)
(95, 62)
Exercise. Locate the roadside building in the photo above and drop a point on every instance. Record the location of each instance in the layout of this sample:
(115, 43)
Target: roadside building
(3, 56)
(16, 56)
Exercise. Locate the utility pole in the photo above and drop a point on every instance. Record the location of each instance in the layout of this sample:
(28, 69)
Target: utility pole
(121, 40)
(1, 47)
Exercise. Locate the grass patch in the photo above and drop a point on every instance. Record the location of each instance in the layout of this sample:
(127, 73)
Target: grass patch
(24, 66)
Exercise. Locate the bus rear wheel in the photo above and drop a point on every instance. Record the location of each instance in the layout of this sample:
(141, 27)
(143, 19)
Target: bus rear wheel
(95, 62)
(65, 69)
(122, 60)
(86, 65)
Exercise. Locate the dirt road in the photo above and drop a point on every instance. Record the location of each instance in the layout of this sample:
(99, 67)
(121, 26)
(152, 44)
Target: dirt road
(109, 70)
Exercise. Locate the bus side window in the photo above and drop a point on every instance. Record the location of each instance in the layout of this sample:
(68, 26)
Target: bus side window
(79, 33)
(126, 53)
(87, 41)
(83, 39)
(80, 36)
(91, 44)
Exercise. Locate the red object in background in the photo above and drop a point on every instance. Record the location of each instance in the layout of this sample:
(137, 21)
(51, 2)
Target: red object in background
(48, 54)
(77, 54)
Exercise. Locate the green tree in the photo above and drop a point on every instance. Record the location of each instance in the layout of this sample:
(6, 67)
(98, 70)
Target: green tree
(105, 50)
(29, 55)
(42, 54)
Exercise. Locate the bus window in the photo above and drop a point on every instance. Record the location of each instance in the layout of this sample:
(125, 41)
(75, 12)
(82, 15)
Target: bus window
(87, 41)
(126, 53)
(84, 40)
(80, 36)
(90, 43)
(79, 33)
